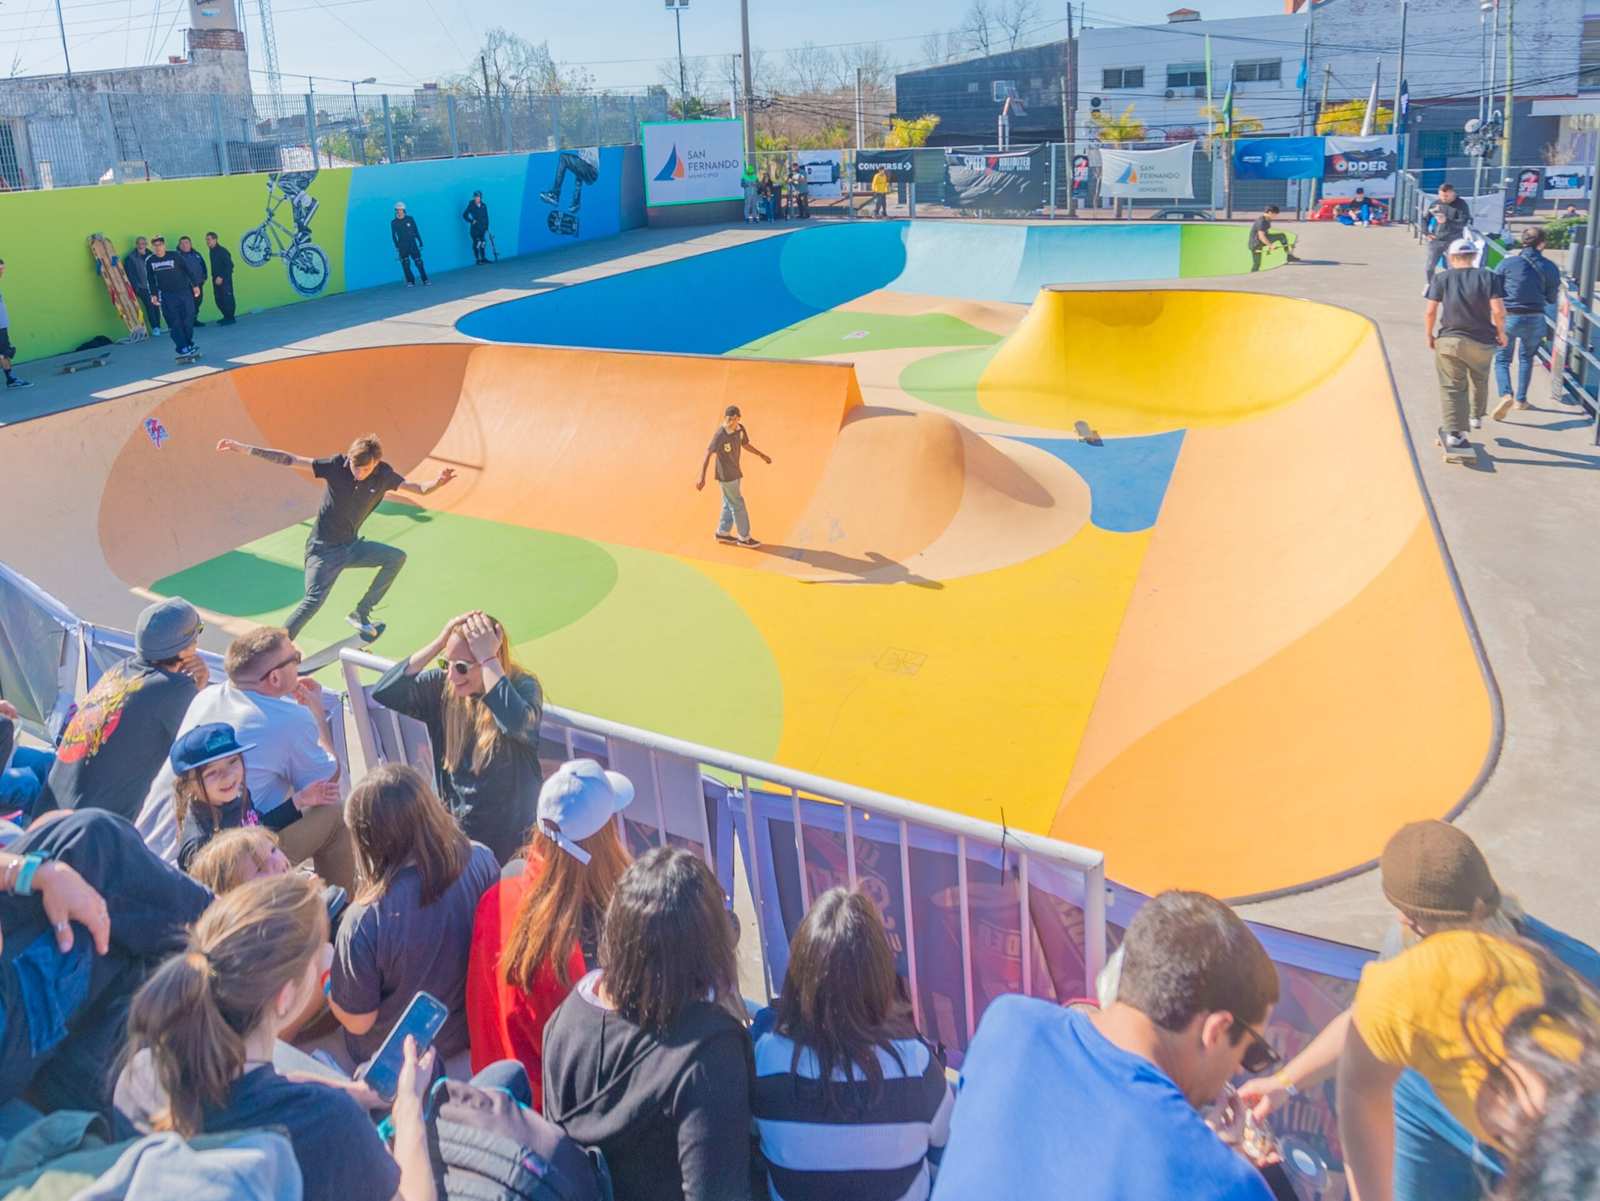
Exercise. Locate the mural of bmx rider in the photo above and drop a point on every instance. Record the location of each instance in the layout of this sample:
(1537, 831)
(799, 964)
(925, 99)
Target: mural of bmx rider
(584, 166)
(303, 205)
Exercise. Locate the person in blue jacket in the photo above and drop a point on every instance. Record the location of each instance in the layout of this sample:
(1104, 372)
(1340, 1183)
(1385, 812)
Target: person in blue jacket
(1435, 1157)
(1533, 284)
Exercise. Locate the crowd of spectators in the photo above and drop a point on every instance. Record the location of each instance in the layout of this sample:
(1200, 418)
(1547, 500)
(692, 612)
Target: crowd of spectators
(224, 977)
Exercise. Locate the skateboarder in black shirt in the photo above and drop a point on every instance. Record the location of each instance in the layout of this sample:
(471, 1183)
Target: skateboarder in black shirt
(476, 215)
(731, 438)
(357, 481)
(1261, 238)
(408, 243)
(174, 292)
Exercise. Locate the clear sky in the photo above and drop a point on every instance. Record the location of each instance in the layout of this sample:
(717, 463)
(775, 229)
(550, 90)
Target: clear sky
(621, 42)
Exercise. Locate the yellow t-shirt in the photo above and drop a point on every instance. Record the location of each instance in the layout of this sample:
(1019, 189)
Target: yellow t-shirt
(1412, 1011)
(880, 182)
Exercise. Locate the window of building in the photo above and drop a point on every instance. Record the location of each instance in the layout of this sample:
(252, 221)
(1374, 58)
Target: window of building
(972, 87)
(1589, 49)
(1186, 75)
(1434, 144)
(1263, 71)
(1121, 77)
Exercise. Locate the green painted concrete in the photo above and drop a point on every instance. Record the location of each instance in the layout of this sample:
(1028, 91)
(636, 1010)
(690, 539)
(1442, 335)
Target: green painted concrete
(837, 332)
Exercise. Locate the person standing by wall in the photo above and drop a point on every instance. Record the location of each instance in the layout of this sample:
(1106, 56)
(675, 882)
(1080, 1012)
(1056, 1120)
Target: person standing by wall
(1532, 283)
(476, 215)
(221, 277)
(800, 191)
(1450, 216)
(174, 291)
(8, 351)
(195, 264)
(137, 264)
(1472, 324)
(408, 244)
(752, 213)
(726, 444)
(880, 193)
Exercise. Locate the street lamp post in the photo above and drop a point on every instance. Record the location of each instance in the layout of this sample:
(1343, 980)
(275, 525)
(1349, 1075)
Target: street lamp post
(355, 105)
(677, 7)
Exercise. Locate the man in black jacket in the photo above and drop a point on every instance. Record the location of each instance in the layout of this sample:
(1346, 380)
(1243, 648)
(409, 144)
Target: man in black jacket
(1451, 216)
(137, 263)
(195, 264)
(476, 215)
(221, 278)
(174, 292)
(408, 244)
(1532, 283)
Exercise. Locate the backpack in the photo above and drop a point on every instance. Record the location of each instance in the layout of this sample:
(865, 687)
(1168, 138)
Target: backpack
(488, 1147)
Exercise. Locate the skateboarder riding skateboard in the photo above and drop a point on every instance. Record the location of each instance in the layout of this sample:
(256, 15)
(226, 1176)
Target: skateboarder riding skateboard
(357, 481)
(731, 438)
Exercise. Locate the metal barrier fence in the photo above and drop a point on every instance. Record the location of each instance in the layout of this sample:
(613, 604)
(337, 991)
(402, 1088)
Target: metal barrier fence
(61, 138)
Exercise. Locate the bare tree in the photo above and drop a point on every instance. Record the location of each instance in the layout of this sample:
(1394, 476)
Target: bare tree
(513, 64)
(937, 48)
(978, 29)
(810, 68)
(1016, 19)
(874, 62)
(696, 76)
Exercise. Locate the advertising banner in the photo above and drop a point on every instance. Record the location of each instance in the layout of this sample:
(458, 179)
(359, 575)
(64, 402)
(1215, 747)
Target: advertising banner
(823, 169)
(1558, 347)
(1566, 183)
(1080, 173)
(692, 162)
(1350, 163)
(900, 164)
(1164, 174)
(1016, 181)
(1277, 158)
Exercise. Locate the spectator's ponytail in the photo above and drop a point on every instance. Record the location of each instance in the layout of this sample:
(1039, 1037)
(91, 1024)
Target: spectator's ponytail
(194, 1014)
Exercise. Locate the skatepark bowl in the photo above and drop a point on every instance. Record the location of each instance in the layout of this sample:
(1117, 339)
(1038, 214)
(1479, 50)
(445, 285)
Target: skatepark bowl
(1052, 556)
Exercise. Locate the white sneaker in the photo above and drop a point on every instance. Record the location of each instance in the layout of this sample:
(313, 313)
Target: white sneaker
(1476, 423)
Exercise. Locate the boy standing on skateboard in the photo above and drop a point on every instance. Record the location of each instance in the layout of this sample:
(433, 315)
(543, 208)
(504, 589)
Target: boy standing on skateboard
(731, 438)
(1472, 324)
(357, 482)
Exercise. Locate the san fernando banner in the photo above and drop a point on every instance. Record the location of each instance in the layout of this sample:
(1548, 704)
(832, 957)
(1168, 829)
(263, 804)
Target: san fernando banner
(1167, 173)
(1354, 162)
(693, 162)
(1277, 158)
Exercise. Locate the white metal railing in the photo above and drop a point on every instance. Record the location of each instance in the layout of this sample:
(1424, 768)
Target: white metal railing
(814, 804)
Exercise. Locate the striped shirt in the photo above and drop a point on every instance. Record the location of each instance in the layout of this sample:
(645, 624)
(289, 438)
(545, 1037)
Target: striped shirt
(870, 1147)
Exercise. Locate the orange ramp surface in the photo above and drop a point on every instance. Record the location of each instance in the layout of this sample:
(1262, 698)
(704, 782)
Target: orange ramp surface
(1229, 663)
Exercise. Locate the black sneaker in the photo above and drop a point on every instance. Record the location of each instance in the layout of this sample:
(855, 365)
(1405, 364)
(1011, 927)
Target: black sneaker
(366, 627)
(749, 542)
(727, 538)
(18, 382)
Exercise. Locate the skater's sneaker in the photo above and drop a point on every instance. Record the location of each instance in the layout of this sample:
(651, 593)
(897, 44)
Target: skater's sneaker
(1504, 407)
(427, 283)
(1476, 423)
(365, 626)
(410, 285)
(747, 541)
(228, 321)
(1456, 440)
(1294, 258)
(1521, 406)
(727, 538)
(18, 382)
(549, 198)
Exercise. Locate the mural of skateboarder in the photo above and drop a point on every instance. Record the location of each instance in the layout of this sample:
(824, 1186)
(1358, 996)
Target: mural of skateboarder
(306, 262)
(584, 166)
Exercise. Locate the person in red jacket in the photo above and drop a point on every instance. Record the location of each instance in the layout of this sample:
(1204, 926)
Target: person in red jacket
(535, 934)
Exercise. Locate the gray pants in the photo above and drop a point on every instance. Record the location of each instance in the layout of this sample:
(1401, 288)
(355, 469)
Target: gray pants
(733, 509)
(1463, 367)
(323, 565)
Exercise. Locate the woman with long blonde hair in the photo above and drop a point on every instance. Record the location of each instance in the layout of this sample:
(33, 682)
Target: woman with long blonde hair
(482, 711)
(536, 934)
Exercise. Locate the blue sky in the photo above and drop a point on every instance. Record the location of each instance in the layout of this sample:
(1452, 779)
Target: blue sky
(405, 42)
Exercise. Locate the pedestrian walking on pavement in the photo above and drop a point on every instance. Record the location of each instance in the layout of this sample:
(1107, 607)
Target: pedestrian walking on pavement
(1450, 216)
(221, 278)
(1532, 284)
(1468, 305)
(408, 244)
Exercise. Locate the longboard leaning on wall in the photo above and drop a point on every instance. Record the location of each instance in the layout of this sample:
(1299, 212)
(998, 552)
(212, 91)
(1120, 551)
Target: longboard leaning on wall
(109, 267)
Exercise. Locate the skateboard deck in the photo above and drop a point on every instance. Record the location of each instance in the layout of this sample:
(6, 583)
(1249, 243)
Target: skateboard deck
(563, 223)
(1467, 454)
(188, 358)
(76, 365)
(1085, 433)
(317, 660)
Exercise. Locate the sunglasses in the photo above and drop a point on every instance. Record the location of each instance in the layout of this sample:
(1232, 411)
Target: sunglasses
(460, 666)
(292, 659)
(1259, 1057)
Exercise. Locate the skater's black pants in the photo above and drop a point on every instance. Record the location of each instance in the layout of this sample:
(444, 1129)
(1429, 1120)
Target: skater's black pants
(1257, 251)
(880, 204)
(226, 304)
(152, 314)
(407, 257)
(178, 307)
(323, 565)
(479, 235)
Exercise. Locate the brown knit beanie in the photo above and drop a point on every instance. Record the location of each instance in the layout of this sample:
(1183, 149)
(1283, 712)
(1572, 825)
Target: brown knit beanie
(1432, 870)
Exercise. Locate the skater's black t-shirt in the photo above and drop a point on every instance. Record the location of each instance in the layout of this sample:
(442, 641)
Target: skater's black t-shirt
(169, 276)
(348, 501)
(726, 447)
(1464, 294)
(1258, 231)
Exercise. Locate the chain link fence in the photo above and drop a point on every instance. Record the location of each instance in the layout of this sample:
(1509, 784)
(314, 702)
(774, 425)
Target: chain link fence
(58, 139)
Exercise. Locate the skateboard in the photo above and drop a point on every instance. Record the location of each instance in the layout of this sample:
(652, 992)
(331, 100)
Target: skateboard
(1085, 433)
(1467, 454)
(732, 540)
(76, 365)
(493, 249)
(317, 660)
(562, 223)
(188, 358)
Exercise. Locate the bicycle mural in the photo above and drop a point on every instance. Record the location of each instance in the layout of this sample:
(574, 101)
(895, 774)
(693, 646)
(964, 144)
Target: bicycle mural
(305, 261)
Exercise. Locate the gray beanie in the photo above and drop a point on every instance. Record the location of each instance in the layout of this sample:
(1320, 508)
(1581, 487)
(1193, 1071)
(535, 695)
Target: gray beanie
(166, 629)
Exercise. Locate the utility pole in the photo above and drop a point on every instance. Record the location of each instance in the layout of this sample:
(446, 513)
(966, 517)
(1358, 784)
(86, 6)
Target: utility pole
(859, 111)
(1322, 107)
(1505, 144)
(1399, 82)
(61, 24)
(749, 115)
(683, 85)
(1070, 115)
(483, 62)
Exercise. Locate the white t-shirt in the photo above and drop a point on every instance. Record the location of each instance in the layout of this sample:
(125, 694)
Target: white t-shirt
(285, 756)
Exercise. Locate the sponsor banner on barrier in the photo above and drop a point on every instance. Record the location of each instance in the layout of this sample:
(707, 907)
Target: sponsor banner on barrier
(1016, 181)
(1080, 173)
(693, 162)
(1566, 183)
(1164, 174)
(900, 164)
(824, 169)
(1368, 163)
(1278, 158)
(1558, 346)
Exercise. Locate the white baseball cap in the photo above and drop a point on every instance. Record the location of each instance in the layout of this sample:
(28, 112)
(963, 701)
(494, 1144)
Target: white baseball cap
(578, 800)
(1463, 246)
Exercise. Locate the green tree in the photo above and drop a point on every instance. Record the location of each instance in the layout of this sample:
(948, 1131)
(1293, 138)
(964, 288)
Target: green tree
(1347, 115)
(904, 134)
(1123, 128)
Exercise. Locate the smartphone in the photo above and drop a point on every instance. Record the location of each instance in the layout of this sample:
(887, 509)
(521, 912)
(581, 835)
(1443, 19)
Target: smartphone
(421, 1021)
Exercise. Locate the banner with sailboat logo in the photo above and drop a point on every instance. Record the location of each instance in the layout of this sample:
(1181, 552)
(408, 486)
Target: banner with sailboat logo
(1167, 173)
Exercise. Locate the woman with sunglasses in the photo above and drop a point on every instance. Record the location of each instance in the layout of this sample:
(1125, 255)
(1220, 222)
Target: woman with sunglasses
(482, 712)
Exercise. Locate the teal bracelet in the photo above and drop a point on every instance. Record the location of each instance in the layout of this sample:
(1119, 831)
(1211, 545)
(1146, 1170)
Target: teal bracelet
(30, 868)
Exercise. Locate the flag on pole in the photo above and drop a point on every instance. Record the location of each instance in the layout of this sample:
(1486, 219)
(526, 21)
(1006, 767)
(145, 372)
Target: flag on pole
(1300, 79)
(1227, 112)
(1405, 108)
(1369, 122)
(1208, 82)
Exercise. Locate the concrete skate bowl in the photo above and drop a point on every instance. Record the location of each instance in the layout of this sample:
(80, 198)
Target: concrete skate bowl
(731, 299)
(1230, 656)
